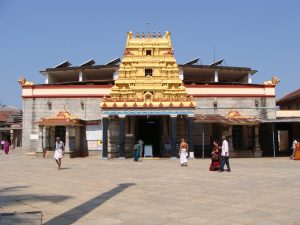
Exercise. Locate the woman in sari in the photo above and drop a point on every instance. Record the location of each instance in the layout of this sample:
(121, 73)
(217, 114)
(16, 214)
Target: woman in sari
(183, 152)
(6, 147)
(297, 151)
(215, 157)
(137, 150)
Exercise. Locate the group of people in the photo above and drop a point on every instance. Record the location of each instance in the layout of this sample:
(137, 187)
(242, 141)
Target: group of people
(296, 150)
(5, 146)
(220, 156)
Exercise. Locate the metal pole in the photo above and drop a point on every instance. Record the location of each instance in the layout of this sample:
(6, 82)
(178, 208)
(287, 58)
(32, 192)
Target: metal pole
(273, 132)
(202, 141)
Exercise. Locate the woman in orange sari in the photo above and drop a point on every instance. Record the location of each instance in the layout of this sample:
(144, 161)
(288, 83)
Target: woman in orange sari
(297, 151)
(215, 157)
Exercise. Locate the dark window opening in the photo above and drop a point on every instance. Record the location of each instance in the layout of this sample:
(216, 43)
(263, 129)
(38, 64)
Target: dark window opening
(215, 105)
(256, 104)
(148, 72)
(49, 105)
(60, 131)
(148, 52)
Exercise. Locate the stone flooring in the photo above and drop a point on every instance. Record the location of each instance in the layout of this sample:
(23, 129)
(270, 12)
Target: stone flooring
(261, 191)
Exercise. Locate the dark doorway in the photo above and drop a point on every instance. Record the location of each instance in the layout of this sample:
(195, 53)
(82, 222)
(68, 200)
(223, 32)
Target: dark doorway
(149, 130)
(60, 131)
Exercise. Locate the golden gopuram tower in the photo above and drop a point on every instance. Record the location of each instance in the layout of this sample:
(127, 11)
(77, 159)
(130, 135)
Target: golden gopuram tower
(148, 77)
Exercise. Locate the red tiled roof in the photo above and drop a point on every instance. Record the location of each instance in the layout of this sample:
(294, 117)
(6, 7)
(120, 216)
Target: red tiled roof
(4, 115)
(289, 96)
(216, 118)
(61, 118)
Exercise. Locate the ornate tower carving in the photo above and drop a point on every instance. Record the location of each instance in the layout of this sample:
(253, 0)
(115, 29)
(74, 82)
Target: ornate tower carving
(148, 75)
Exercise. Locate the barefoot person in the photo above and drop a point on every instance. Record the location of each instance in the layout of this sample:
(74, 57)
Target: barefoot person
(183, 152)
(59, 151)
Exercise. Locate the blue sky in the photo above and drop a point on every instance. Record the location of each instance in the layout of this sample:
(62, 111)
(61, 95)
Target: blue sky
(261, 34)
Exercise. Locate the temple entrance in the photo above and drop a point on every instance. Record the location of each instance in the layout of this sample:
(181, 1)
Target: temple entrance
(60, 131)
(149, 130)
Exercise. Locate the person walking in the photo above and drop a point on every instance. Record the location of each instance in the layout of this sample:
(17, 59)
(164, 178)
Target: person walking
(59, 151)
(297, 151)
(225, 155)
(215, 157)
(183, 152)
(294, 148)
(6, 146)
(142, 143)
(137, 150)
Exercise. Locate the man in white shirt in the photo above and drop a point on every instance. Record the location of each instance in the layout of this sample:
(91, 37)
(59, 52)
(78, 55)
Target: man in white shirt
(225, 155)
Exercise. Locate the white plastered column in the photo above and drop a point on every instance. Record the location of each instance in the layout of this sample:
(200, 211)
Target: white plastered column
(216, 76)
(249, 78)
(80, 77)
(40, 140)
(67, 144)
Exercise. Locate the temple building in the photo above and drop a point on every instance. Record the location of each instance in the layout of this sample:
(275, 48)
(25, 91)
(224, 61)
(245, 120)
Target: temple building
(286, 126)
(105, 109)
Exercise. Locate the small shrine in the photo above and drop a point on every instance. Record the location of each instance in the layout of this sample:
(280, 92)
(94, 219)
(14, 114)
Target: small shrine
(64, 125)
(62, 118)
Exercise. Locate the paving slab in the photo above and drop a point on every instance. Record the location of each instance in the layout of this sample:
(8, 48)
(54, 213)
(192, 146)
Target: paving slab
(118, 192)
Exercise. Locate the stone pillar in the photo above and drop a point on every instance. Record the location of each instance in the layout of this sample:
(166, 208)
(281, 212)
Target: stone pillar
(40, 141)
(216, 78)
(104, 137)
(229, 139)
(67, 144)
(173, 136)
(191, 135)
(122, 137)
(12, 138)
(47, 138)
(257, 150)
(249, 78)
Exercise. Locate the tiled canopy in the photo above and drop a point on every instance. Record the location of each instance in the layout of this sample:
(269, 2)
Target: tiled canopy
(62, 118)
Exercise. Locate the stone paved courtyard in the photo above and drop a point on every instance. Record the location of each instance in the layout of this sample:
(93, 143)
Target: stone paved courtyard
(92, 191)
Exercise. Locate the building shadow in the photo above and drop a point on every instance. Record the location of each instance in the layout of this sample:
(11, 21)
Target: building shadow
(8, 198)
(74, 214)
(14, 188)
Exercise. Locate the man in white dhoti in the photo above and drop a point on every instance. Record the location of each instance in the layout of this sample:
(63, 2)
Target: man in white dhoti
(183, 152)
(59, 151)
